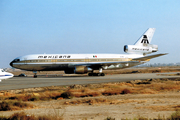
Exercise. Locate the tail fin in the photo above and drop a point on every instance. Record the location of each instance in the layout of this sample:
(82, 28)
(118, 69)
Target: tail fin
(146, 38)
(142, 45)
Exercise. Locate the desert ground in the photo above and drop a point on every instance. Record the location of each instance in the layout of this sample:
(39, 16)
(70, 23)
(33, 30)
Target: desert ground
(137, 99)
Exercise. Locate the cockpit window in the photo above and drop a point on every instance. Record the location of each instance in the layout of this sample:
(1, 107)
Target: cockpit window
(16, 60)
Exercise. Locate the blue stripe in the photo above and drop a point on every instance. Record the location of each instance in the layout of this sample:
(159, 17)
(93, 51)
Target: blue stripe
(8, 75)
(4, 75)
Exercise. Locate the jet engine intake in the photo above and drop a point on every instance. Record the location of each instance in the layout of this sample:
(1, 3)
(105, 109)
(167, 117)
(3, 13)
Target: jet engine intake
(78, 70)
(82, 69)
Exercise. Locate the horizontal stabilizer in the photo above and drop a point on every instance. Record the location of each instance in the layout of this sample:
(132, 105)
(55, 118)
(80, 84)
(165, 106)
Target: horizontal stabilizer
(149, 57)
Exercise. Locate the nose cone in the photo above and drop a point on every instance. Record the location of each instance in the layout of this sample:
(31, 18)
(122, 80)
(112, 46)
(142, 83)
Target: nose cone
(11, 64)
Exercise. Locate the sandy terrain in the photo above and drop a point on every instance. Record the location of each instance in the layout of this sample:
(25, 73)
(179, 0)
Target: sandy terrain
(116, 106)
(153, 103)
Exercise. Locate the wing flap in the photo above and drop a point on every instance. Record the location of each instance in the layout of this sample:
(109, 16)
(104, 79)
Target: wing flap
(149, 57)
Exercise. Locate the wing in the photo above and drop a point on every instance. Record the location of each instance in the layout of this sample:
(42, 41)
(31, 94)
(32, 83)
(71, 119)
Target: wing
(98, 65)
(133, 62)
(149, 57)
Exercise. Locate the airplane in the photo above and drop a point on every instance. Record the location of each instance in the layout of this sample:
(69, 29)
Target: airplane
(87, 63)
(5, 75)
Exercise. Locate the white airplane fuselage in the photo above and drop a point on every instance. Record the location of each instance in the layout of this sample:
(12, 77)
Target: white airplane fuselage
(86, 63)
(47, 62)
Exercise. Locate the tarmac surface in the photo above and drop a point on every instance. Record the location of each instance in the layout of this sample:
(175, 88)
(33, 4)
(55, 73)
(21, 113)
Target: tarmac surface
(62, 80)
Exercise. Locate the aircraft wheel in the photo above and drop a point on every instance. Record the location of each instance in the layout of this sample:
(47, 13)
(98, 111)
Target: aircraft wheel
(35, 76)
(94, 74)
(90, 74)
(102, 74)
(98, 74)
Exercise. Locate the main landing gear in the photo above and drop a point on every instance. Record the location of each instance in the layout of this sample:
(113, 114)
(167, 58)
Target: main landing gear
(97, 74)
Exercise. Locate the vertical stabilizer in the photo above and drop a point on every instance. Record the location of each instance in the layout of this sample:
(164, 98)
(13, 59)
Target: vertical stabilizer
(146, 38)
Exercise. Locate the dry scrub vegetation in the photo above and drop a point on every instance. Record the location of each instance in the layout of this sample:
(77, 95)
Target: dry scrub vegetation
(14, 105)
(89, 95)
(151, 86)
(24, 116)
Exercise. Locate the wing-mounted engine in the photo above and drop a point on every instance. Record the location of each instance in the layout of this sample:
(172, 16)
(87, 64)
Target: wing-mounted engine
(78, 70)
(134, 49)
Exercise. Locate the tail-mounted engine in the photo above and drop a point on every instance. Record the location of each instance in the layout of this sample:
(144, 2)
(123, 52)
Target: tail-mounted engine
(140, 49)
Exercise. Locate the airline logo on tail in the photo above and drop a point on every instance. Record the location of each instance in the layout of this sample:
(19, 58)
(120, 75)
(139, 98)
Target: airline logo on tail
(145, 39)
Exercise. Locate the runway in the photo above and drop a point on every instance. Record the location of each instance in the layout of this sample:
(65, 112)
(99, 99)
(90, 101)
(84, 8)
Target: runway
(43, 81)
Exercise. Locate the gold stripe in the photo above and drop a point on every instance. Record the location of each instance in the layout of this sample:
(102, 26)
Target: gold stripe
(75, 60)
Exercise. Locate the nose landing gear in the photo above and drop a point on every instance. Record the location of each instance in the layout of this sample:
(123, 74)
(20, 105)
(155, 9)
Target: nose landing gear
(35, 74)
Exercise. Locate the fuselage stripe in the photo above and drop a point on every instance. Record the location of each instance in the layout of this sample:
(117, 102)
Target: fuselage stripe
(73, 60)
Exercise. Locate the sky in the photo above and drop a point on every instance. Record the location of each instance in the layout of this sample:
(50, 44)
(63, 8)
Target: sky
(86, 26)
